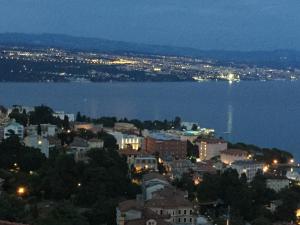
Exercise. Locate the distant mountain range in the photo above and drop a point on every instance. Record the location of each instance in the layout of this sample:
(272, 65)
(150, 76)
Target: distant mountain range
(276, 58)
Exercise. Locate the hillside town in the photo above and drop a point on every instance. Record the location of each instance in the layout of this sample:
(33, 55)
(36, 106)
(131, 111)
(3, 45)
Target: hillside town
(19, 63)
(176, 168)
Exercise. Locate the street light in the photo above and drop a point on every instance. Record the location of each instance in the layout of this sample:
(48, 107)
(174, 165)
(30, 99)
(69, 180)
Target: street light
(21, 191)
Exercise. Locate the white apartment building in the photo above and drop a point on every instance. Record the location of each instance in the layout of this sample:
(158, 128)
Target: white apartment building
(277, 183)
(46, 130)
(231, 155)
(209, 148)
(95, 143)
(61, 115)
(248, 167)
(145, 163)
(35, 141)
(13, 128)
(124, 141)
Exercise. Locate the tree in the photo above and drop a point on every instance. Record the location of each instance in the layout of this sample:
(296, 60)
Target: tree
(109, 141)
(13, 152)
(192, 150)
(194, 127)
(286, 211)
(60, 180)
(21, 118)
(86, 134)
(177, 122)
(261, 221)
(63, 214)
(66, 123)
(42, 115)
(78, 117)
(39, 130)
(11, 208)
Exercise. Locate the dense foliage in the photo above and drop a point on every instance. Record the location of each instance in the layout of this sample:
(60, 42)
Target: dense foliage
(247, 201)
(60, 190)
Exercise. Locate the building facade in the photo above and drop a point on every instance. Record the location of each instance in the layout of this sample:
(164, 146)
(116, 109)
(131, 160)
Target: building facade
(248, 167)
(167, 146)
(231, 155)
(39, 142)
(13, 128)
(210, 148)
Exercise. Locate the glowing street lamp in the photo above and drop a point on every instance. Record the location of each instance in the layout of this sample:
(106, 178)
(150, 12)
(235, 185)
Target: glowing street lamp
(21, 191)
(275, 161)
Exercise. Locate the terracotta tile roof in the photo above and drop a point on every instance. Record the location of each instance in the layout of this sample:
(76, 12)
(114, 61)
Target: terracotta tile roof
(168, 198)
(150, 176)
(79, 142)
(205, 167)
(129, 204)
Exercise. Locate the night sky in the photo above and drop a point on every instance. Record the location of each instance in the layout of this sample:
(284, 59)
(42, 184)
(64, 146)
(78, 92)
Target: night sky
(203, 24)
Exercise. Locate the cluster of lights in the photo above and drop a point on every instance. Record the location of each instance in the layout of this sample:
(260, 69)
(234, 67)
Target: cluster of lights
(265, 168)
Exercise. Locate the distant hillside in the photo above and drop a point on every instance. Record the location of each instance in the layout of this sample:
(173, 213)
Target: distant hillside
(277, 58)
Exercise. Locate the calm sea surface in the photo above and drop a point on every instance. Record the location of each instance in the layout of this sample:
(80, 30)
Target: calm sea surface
(261, 113)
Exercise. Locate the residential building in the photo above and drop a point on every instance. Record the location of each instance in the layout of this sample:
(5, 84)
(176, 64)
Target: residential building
(173, 203)
(248, 167)
(46, 130)
(153, 182)
(20, 109)
(167, 146)
(130, 155)
(231, 155)
(277, 183)
(13, 128)
(95, 128)
(126, 128)
(210, 148)
(203, 168)
(61, 115)
(128, 210)
(39, 142)
(95, 143)
(146, 162)
(176, 168)
(54, 142)
(79, 148)
(125, 141)
(132, 212)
